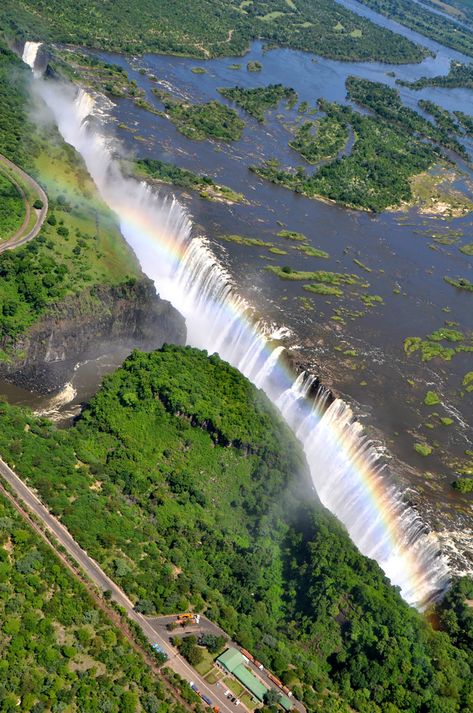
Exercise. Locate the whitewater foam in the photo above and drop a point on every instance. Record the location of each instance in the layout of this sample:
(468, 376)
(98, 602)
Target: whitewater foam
(30, 52)
(346, 468)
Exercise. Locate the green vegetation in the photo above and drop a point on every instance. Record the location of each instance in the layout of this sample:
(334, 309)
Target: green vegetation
(207, 28)
(432, 348)
(331, 278)
(58, 651)
(170, 173)
(419, 19)
(467, 382)
(466, 121)
(467, 249)
(319, 288)
(434, 193)
(423, 449)
(386, 103)
(374, 176)
(242, 240)
(463, 485)
(12, 207)
(292, 235)
(431, 398)
(442, 117)
(459, 75)
(95, 74)
(211, 120)
(461, 283)
(446, 421)
(257, 101)
(183, 482)
(198, 70)
(15, 132)
(254, 66)
(330, 137)
(311, 252)
(79, 246)
(385, 165)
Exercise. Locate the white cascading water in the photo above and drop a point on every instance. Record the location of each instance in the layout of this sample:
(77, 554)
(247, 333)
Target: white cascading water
(30, 52)
(345, 467)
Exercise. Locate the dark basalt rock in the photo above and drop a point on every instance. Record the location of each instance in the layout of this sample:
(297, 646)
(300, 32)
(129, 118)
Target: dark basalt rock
(101, 321)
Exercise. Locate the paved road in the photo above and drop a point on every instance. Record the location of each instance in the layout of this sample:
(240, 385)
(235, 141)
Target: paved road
(98, 576)
(205, 626)
(20, 236)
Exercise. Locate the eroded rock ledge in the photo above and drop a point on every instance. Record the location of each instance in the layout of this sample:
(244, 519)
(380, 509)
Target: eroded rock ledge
(98, 322)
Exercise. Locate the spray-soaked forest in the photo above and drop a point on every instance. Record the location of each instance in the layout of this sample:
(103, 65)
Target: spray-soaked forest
(271, 565)
(179, 477)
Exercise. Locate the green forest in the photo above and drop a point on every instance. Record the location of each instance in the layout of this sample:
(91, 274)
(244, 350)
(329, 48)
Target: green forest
(386, 103)
(190, 491)
(388, 148)
(321, 139)
(459, 75)
(12, 209)
(79, 246)
(207, 28)
(259, 100)
(58, 651)
(374, 176)
(419, 19)
(211, 120)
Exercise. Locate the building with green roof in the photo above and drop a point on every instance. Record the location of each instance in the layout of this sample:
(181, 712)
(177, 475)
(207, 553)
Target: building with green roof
(234, 662)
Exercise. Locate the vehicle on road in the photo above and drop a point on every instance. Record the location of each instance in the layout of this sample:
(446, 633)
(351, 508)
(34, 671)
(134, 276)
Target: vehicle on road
(188, 618)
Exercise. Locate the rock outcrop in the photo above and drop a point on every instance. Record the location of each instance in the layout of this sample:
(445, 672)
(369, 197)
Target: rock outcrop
(104, 320)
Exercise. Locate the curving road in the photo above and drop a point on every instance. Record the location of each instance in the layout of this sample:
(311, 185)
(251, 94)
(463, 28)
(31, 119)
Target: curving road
(21, 237)
(149, 627)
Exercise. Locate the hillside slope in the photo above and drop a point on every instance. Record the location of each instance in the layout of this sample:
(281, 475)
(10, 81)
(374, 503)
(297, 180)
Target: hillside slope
(183, 482)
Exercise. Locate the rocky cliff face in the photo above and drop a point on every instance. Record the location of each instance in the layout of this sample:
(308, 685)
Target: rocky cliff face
(103, 321)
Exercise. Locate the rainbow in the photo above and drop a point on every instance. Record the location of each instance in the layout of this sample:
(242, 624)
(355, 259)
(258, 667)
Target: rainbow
(346, 468)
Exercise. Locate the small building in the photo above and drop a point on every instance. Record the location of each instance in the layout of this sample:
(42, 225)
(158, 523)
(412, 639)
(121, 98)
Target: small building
(234, 662)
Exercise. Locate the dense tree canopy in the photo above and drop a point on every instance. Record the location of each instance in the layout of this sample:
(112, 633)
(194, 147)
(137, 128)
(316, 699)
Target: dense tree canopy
(183, 482)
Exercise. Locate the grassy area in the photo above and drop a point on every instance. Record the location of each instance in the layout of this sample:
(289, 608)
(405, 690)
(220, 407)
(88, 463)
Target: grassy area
(93, 250)
(433, 193)
(243, 240)
(322, 276)
(207, 663)
(214, 675)
(234, 686)
(248, 701)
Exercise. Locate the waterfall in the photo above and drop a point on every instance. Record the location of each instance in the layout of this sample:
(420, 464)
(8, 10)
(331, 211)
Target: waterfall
(30, 52)
(346, 469)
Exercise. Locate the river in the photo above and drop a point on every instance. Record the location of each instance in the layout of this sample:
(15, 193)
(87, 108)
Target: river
(383, 385)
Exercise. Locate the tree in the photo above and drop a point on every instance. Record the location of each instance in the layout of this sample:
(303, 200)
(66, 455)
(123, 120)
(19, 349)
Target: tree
(272, 697)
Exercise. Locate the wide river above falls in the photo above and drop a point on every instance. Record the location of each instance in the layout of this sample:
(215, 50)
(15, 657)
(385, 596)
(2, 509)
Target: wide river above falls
(357, 350)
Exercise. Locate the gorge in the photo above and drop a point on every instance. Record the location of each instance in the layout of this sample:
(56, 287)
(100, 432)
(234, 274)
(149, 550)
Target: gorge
(349, 474)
